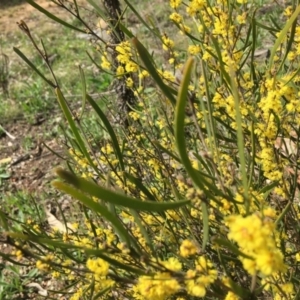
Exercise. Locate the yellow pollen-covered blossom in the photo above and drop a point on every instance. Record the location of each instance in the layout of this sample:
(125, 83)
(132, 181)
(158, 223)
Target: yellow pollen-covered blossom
(254, 235)
(43, 264)
(105, 64)
(120, 71)
(77, 295)
(184, 29)
(143, 74)
(241, 19)
(172, 264)
(129, 82)
(134, 115)
(175, 3)
(194, 49)
(177, 18)
(124, 52)
(288, 11)
(98, 266)
(131, 67)
(195, 6)
(187, 248)
(167, 43)
(199, 279)
(232, 296)
(159, 287)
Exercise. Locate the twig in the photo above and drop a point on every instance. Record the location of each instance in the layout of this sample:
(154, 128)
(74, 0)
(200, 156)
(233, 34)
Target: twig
(7, 133)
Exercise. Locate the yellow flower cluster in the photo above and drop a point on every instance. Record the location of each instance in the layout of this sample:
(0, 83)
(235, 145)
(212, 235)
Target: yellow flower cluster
(100, 269)
(125, 56)
(188, 248)
(105, 64)
(98, 266)
(44, 264)
(195, 6)
(163, 285)
(167, 43)
(255, 236)
(175, 3)
(18, 254)
(200, 278)
(159, 287)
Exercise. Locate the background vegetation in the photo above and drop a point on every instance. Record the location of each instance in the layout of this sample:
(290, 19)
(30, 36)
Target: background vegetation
(185, 171)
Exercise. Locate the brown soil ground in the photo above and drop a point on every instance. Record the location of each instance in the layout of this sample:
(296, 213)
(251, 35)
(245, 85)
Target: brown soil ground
(12, 11)
(30, 166)
(30, 169)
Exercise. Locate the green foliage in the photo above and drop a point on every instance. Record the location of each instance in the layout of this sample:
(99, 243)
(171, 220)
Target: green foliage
(194, 193)
(3, 174)
(29, 94)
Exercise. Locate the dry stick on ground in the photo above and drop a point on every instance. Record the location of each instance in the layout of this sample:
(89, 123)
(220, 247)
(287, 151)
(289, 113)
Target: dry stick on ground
(126, 98)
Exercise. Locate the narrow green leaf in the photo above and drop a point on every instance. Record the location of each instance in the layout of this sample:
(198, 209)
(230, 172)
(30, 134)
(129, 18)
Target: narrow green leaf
(3, 221)
(4, 175)
(210, 120)
(297, 295)
(58, 244)
(98, 208)
(142, 20)
(220, 59)
(138, 222)
(290, 43)
(268, 188)
(109, 128)
(218, 52)
(284, 212)
(75, 131)
(101, 293)
(179, 124)
(42, 241)
(138, 183)
(192, 37)
(76, 6)
(293, 77)
(97, 8)
(53, 17)
(165, 150)
(267, 28)
(7, 258)
(239, 290)
(145, 56)
(114, 262)
(275, 23)
(198, 178)
(282, 36)
(206, 166)
(205, 220)
(252, 157)
(254, 39)
(240, 139)
(82, 77)
(32, 66)
(154, 29)
(126, 30)
(259, 290)
(91, 288)
(53, 152)
(231, 247)
(114, 197)
(94, 61)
